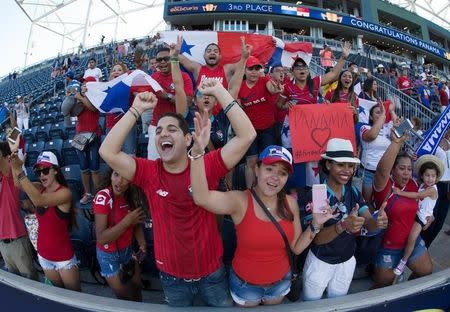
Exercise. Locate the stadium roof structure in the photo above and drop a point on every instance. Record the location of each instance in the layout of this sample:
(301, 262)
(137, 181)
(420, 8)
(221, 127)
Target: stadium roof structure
(83, 22)
(437, 11)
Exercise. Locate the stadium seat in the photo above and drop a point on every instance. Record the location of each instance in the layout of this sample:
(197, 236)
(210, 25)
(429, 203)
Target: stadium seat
(69, 154)
(33, 150)
(29, 135)
(50, 118)
(72, 174)
(57, 131)
(31, 175)
(141, 149)
(70, 130)
(42, 132)
(36, 121)
(55, 146)
(103, 169)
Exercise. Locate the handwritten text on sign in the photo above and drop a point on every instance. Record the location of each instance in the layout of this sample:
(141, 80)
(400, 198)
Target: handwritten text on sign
(313, 125)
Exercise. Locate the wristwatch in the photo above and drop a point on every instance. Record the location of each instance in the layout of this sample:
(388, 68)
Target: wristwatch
(313, 228)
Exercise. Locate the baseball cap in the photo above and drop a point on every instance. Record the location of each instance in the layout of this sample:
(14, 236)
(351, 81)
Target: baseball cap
(46, 159)
(274, 153)
(89, 79)
(252, 61)
(380, 66)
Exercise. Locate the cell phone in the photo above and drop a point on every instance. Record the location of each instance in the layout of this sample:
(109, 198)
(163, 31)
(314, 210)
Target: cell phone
(319, 197)
(406, 125)
(14, 134)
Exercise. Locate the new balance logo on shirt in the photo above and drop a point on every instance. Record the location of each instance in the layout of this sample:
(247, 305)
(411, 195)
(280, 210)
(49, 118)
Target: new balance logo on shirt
(162, 193)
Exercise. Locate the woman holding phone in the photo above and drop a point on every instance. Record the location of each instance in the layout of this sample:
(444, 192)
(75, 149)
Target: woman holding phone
(260, 272)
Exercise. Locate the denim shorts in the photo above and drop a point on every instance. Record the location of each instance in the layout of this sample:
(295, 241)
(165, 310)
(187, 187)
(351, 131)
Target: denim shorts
(111, 262)
(58, 265)
(243, 293)
(263, 139)
(390, 258)
(213, 289)
(90, 158)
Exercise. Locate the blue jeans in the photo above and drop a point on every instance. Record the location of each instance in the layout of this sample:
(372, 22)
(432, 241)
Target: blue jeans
(111, 262)
(213, 289)
(389, 258)
(89, 157)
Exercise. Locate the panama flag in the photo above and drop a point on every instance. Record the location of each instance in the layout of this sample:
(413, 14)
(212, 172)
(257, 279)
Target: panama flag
(364, 109)
(195, 42)
(286, 52)
(114, 96)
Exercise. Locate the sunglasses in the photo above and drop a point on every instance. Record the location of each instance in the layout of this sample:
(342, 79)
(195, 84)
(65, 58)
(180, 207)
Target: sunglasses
(165, 59)
(45, 171)
(300, 67)
(256, 67)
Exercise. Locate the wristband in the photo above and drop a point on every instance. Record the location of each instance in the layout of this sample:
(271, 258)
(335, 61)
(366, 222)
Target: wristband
(21, 176)
(229, 106)
(192, 157)
(135, 112)
(174, 59)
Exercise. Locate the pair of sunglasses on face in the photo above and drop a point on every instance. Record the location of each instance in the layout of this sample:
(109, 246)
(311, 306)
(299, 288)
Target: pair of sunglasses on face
(44, 171)
(165, 59)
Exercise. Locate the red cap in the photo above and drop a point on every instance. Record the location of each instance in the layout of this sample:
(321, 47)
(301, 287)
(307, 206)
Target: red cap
(89, 79)
(252, 61)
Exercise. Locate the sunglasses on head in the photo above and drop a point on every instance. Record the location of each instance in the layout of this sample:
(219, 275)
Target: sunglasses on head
(45, 171)
(164, 58)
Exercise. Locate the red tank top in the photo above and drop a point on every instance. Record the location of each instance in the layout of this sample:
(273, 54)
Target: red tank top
(53, 242)
(217, 72)
(261, 256)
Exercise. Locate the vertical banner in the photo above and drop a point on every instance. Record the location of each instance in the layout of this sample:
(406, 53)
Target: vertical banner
(435, 134)
(312, 125)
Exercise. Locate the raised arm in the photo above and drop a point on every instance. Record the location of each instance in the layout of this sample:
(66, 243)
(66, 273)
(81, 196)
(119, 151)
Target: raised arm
(110, 150)
(84, 100)
(181, 101)
(236, 148)
(190, 66)
(216, 202)
(372, 134)
(386, 162)
(239, 70)
(333, 75)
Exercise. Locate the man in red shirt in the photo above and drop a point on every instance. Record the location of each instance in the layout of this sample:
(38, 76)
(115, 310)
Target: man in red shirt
(404, 84)
(188, 247)
(15, 246)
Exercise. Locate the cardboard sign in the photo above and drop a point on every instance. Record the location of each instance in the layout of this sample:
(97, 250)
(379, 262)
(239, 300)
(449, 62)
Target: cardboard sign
(312, 125)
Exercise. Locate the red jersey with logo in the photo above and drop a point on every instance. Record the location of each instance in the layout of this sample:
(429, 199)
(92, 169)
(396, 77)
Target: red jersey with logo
(164, 106)
(53, 242)
(116, 209)
(88, 122)
(343, 97)
(258, 104)
(404, 84)
(187, 240)
(401, 212)
(217, 72)
(302, 95)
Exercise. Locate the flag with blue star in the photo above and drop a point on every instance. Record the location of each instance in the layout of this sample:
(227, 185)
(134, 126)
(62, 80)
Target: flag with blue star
(114, 96)
(364, 109)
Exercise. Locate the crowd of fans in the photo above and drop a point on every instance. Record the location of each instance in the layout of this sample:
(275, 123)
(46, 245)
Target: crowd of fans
(203, 128)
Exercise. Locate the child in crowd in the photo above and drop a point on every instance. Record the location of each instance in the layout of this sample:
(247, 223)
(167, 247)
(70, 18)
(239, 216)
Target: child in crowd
(430, 169)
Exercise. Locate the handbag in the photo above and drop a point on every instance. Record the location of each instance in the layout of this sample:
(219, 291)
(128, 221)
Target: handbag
(294, 293)
(81, 140)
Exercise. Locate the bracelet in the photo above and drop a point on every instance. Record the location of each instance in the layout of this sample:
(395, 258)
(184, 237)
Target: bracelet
(174, 59)
(135, 112)
(229, 106)
(21, 176)
(191, 157)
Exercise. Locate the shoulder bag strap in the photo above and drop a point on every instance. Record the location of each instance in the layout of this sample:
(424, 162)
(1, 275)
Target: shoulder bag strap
(277, 225)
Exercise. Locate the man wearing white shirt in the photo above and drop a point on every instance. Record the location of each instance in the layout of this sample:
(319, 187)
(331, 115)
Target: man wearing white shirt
(93, 70)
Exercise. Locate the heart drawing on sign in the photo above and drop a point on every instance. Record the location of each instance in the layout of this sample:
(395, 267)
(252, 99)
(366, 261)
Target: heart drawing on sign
(320, 136)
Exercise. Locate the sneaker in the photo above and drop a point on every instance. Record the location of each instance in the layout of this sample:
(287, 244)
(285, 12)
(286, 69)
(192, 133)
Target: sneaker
(400, 267)
(86, 199)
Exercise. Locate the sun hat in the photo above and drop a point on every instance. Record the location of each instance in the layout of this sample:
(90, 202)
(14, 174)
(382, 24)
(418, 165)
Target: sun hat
(47, 159)
(430, 159)
(252, 61)
(340, 150)
(380, 66)
(275, 153)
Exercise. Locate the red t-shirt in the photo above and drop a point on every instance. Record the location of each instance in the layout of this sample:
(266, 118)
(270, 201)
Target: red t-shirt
(443, 96)
(187, 240)
(111, 119)
(217, 72)
(11, 222)
(53, 242)
(166, 82)
(116, 210)
(302, 95)
(261, 259)
(404, 84)
(88, 122)
(258, 103)
(401, 214)
(343, 97)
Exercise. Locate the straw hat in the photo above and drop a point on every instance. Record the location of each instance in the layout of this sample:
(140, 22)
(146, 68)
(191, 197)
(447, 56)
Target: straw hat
(427, 159)
(340, 150)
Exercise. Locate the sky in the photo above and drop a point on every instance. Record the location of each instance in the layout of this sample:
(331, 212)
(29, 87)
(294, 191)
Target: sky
(46, 44)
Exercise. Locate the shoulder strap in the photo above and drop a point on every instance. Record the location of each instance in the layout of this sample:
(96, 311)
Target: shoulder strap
(277, 225)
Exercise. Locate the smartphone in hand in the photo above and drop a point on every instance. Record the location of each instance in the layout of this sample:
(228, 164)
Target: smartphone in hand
(14, 134)
(319, 197)
(406, 125)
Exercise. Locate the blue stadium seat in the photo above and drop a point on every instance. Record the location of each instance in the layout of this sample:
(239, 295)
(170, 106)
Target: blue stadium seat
(42, 132)
(50, 118)
(31, 175)
(69, 154)
(55, 146)
(54, 108)
(141, 149)
(70, 130)
(29, 135)
(72, 174)
(36, 121)
(33, 150)
(57, 131)
(103, 169)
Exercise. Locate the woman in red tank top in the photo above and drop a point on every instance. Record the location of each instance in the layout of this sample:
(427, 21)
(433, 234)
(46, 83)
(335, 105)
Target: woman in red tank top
(261, 271)
(55, 215)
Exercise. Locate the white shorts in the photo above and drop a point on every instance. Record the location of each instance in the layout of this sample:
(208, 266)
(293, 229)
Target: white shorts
(58, 265)
(319, 275)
